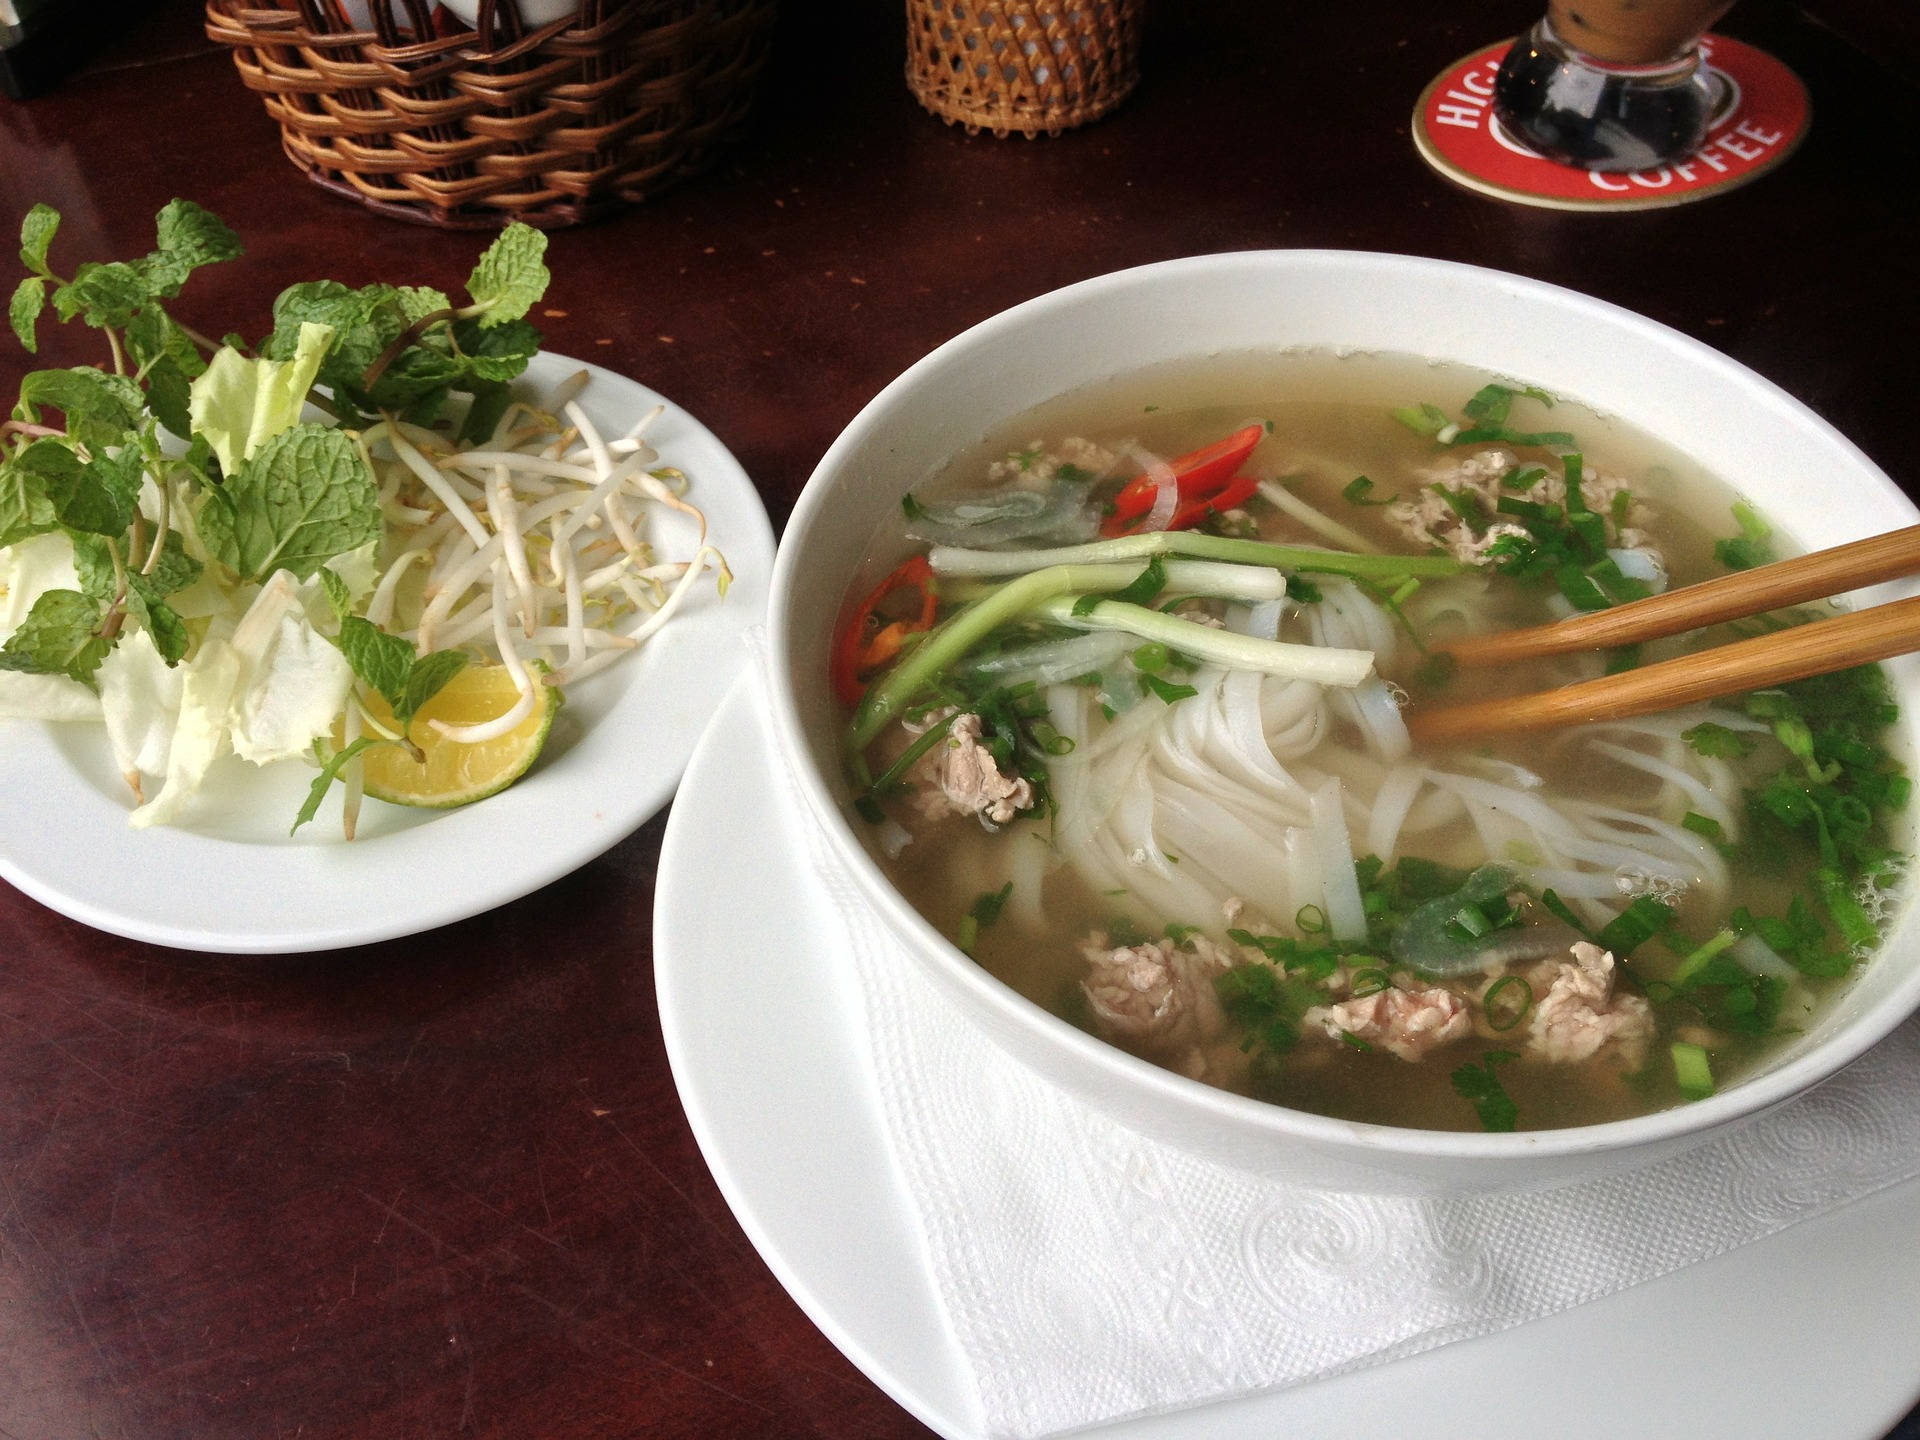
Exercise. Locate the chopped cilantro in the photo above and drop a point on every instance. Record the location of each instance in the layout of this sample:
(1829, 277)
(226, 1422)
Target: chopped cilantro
(1717, 742)
(1359, 490)
(1423, 419)
(1752, 546)
(1166, 690)
(1643, 918)
(988, 907)
(1478, 1085)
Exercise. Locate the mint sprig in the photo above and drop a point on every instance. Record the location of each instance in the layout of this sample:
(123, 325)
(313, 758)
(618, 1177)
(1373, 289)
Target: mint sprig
(406, 350)
(388, 664)
(510, 277)
(60, 636)
(305, 496)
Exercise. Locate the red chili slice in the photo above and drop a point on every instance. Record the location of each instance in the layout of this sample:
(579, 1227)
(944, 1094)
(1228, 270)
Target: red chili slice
(1198, 473)
(855, 652)
(1234, 492)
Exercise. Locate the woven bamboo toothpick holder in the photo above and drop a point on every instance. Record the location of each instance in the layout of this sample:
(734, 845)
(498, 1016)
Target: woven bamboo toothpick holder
(1025, 65)
(425, 118)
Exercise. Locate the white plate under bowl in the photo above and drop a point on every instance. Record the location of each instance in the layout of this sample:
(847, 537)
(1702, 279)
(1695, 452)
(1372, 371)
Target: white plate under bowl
(1808, 1333)
(233, 880)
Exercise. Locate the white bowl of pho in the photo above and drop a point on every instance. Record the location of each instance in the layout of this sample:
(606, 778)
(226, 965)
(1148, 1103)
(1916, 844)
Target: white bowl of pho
(1097, 633)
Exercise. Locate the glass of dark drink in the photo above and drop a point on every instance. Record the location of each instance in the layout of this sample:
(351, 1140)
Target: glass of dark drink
(1611, 84)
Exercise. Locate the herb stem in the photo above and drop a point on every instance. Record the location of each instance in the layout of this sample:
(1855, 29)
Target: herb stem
(161, 526)
(195, 336)
(400, 343)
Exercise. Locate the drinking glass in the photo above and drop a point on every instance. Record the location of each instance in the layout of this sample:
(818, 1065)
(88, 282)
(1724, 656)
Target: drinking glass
(1611, 84)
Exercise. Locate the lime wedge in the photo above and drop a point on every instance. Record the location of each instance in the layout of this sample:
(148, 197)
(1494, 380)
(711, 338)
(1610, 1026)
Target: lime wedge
(455, 773)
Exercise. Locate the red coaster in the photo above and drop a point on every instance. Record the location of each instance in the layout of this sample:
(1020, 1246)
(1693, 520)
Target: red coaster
(1761, 115)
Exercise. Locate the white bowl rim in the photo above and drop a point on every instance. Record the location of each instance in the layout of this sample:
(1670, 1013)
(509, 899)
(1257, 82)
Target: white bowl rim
(1740, 1101)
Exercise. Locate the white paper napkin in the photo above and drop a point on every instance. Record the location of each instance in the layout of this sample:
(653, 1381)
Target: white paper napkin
(1091, 1274)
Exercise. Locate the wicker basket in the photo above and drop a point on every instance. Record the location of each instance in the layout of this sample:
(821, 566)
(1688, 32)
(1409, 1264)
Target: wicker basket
(1026, 65)
(435, 122)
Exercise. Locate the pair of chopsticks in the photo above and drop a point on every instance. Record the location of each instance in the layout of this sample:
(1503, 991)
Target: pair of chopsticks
(1812, 649)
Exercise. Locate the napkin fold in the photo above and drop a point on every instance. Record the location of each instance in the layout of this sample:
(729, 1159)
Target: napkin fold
(1091, 1274)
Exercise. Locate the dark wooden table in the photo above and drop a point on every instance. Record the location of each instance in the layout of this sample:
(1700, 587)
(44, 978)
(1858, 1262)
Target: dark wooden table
(443, 1186)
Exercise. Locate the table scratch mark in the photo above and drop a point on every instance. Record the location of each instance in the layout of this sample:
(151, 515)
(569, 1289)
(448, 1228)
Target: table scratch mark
(540, 1178)
(393, 1214)
(654, 1166)
(553, 1307)
(80, 1315)
(493, 1209)
(407, 1059)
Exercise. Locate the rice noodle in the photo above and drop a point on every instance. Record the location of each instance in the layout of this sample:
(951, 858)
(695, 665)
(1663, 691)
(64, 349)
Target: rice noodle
(1345, 916)
(1391, 804)
(1287, 502)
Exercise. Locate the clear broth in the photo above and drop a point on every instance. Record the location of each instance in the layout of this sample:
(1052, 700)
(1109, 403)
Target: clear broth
(1330, 422)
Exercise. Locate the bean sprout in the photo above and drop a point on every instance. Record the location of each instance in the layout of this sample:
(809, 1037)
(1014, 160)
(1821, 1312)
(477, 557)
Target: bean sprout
(536, 545)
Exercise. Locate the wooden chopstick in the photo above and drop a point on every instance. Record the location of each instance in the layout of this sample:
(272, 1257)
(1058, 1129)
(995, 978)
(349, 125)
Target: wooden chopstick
(1794, 654)
(1728, 597)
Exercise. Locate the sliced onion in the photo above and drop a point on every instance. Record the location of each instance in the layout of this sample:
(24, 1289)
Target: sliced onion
(1166, 489)
(994, 517)
(1761, 958)
(1644, 565)
(1055, 660)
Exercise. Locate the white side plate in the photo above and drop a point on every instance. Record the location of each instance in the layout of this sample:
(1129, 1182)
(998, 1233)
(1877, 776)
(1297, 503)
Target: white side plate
(236, 881)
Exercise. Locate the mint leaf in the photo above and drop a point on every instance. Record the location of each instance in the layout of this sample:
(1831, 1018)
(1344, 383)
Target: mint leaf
(381, 661)
(93, 563)
(168, 394)
(159, 619)
(490, 402)
(101, 409)
(29, 299)
(97, 496)
(497, 353)
(417, 302)
(386, 663)
(304, 497)
(151, 336)
(57, 637)
(339, 598)
(189, 237)
(25, 507)
(36, 235)
(364, 322)
(427, 679)
(145, 597)
(510, 277)
(103, 295)
(417, 372)
(330, 768)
